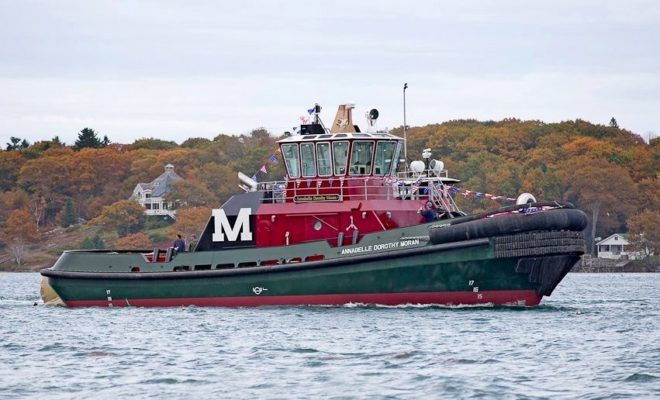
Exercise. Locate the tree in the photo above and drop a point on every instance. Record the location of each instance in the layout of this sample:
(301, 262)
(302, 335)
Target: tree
(190, 221)
(644, 233)
(17, 144)
(10, 164)
(36, 149)
(88, 138)
(603, 188)
(18, 232)
(12, 200)
(124, 217)
(613, 123)
(38, 207)
(136, 241)
(48, 177)
(191, 193)
(92, 242)
(196, 143)
(153, 144)
(68, 214)
(220, 179)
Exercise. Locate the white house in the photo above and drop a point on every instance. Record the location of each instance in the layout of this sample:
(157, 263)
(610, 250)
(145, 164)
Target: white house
(615, 247)
(150, 195)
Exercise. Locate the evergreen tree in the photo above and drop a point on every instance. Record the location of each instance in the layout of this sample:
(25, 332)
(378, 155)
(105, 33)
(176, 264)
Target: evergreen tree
(56, 142)
(69, 216)
(93, 242)
(88, 138)
(613, 123)
(17, 144)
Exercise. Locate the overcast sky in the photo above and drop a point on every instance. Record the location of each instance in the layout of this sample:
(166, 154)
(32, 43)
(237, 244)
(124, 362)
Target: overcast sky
(180, 69)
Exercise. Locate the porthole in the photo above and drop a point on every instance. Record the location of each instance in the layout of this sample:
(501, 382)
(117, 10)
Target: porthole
(317, 225)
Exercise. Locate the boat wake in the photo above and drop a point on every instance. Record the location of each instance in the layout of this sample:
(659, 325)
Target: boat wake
(420, 306)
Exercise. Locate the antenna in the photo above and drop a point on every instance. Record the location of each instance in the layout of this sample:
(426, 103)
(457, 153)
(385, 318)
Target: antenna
(405, 127)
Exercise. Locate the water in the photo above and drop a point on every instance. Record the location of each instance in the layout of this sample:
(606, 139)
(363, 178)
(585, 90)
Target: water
(597, 337)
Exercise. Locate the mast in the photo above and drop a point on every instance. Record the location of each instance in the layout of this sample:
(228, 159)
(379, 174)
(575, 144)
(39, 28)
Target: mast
(405, 127)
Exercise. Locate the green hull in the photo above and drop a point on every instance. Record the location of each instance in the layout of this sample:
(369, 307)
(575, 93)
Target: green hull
(463, 273)
(490, 260)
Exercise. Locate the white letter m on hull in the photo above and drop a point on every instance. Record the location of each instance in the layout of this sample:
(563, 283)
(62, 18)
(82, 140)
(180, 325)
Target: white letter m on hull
(241, 225)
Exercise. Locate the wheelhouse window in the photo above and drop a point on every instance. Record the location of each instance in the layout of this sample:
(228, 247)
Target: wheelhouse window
(291, 159)
(340, 152)
(361, 157)
(395, 160)
(384, 157)
(324, 159)
(308, 159)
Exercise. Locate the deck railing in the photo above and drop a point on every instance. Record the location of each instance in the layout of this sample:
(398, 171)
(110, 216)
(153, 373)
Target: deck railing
(306, 190)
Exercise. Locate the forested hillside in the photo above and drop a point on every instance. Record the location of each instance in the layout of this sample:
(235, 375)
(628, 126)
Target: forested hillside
(610, 173)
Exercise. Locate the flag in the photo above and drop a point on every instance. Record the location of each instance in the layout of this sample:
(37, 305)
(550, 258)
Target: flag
(273, 159)
(263, 169)
(311, 110)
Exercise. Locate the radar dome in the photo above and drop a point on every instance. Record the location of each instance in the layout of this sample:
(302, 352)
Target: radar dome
(417, 166)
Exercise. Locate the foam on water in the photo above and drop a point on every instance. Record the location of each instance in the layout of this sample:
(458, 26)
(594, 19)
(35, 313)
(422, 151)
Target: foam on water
(596, 337)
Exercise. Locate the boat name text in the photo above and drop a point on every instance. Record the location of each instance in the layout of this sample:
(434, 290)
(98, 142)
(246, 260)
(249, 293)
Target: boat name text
(317, 197)
(380, 246)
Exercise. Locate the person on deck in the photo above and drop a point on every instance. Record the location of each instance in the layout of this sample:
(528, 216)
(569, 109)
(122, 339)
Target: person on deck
(193, 243)
(428, 212)
(179, 244)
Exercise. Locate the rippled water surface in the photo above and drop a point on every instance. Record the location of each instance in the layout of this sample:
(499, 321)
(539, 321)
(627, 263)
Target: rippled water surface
(598, 336)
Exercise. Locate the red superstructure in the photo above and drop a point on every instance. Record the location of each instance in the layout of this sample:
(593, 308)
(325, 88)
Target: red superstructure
(342, 185)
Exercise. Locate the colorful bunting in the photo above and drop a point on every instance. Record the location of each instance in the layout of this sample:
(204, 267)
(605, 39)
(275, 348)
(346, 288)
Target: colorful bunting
(455, 190)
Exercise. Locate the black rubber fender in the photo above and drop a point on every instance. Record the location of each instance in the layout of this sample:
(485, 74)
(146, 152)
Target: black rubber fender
(552, 220)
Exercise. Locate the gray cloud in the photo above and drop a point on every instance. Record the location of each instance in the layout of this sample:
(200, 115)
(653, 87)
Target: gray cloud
(178, 69)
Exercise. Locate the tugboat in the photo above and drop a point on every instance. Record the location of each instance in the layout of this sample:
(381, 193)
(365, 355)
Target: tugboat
(344, 226)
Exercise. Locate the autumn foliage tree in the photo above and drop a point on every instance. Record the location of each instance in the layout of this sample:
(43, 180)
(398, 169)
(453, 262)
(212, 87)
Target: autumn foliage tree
(124, 217)
(190, 193)
(190, 221)
(645, 232)
(603, 189)
(19, 231)
(135, 241)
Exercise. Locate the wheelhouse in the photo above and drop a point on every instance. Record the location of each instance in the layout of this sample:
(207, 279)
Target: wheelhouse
(341, 155)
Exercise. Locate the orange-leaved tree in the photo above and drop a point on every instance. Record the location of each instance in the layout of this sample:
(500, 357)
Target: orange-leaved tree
(135, 241)
(19, 231)
(190, 221)
(644, 232)
(603, 189)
